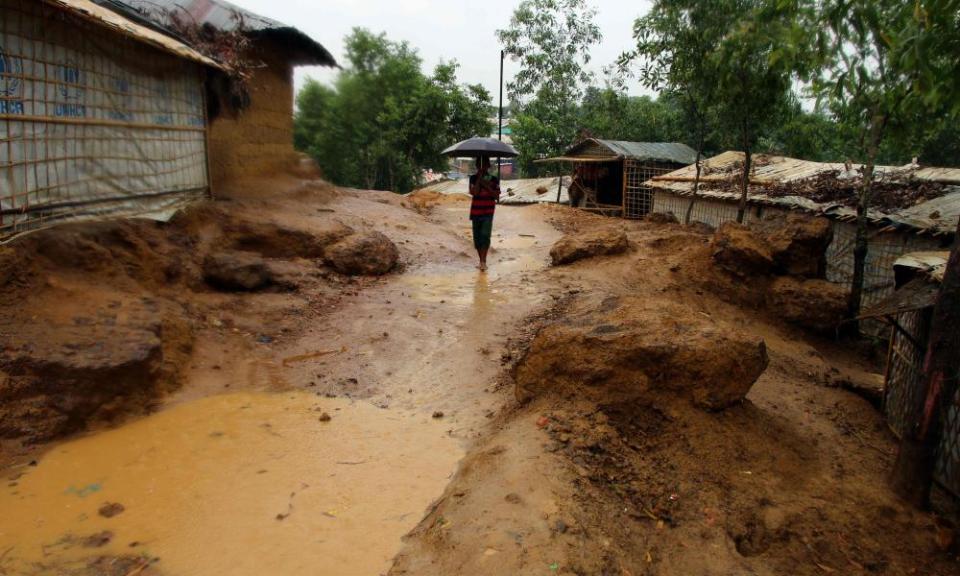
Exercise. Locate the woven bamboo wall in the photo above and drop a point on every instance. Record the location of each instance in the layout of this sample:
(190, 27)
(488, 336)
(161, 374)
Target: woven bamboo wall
(92, 122)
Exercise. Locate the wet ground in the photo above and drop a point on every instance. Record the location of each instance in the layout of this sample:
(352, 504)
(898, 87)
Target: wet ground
(258, 482)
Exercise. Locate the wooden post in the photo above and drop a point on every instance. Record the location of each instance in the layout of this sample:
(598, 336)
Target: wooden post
(560, 181)
(912, 475)
(623, 192)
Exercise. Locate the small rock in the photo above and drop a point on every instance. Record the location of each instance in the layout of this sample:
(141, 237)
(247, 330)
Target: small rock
(324, 417)
(438, 414)
(513, 498)
(110, 509)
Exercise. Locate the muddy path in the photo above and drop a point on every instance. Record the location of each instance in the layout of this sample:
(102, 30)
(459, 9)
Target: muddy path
(364, 426)
(306, 450)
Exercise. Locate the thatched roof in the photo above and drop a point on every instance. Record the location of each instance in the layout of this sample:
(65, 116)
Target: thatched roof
(926, 199)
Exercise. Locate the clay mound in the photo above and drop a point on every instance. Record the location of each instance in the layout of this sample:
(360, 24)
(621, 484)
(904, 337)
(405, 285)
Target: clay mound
(88, 358)
(364, 253)
(131, 249)
(701, 227)
(424, 200)
(798, 243)
(815, 304)
(661, 218)
(633, 349)
(739, 251)
(236, 271)
(573, 247)
(276, 241)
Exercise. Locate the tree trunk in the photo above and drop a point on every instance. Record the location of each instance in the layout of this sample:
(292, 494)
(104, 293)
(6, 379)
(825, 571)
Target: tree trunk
(744, 184)
(861, 244)
(696, 184)
(912, 475)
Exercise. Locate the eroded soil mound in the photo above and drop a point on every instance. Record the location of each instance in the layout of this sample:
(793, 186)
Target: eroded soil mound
(573, 247)
(740, 251)
(627, 349)
(794, 244)
(815, 304)
(365, 253)
(798, 243)
(88, 354)
(97, 318)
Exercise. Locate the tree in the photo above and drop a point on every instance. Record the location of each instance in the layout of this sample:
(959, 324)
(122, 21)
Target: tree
(384, 120)
(674, 44)
(552, 40)
(762, 49)
(925, 49)
(867, 86)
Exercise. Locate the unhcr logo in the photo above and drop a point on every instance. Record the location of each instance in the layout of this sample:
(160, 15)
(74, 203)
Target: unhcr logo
(11, 85)
(70, 83)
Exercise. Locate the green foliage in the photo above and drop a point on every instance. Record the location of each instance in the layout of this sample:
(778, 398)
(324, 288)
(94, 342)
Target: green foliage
(551, 39)
(674, 44)
(384, 120)
(611, 114)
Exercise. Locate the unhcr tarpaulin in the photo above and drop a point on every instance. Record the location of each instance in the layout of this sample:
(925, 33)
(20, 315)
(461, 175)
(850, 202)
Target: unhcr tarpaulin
(93, 118)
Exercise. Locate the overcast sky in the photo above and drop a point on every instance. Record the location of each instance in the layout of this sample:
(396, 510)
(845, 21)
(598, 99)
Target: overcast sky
(439, 29)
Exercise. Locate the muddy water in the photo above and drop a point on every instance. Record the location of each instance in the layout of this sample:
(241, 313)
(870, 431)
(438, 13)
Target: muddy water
(235, 484)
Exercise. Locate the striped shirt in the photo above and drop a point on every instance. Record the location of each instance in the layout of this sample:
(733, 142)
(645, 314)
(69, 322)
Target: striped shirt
(484, 200)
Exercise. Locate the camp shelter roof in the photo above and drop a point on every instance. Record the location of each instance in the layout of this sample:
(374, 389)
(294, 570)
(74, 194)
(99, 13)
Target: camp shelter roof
(917, 294)
(90, 11)
(792, 183)
(223, 15)
(929, 264)
(598, 150)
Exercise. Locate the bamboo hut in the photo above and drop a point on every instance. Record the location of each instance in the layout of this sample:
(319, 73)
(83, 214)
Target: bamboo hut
(611, 175)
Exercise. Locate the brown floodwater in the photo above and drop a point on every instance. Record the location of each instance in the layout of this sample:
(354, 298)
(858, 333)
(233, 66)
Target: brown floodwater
(238, 484)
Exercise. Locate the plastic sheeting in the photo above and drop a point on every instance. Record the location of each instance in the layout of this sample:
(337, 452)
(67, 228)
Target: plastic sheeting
(92, 122)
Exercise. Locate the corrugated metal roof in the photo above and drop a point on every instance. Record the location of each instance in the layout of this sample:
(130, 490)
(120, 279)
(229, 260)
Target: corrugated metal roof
(656, 151)
(220, 15)
(660, 151)
(938, 215)
(100, 15)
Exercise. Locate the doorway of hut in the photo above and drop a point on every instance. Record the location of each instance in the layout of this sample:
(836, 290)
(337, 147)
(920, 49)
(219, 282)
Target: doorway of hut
(602, 186)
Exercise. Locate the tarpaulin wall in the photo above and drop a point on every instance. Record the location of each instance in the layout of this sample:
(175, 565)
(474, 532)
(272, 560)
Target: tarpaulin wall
(92, 122)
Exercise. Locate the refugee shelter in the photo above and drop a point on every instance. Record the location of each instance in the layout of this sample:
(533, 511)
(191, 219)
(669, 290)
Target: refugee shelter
(108, 108)
(613, 174)
(98, 115)
(915, 209)
(251, 125)
(909, 312)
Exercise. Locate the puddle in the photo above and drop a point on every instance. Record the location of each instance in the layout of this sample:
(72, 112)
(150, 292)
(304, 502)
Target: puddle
(236, 484)
(471, 287)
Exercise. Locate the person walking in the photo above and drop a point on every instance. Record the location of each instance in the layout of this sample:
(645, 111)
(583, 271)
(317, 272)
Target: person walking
(485, 192)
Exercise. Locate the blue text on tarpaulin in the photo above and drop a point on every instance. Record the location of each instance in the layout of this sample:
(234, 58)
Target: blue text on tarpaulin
(11, 107)
(70, 110)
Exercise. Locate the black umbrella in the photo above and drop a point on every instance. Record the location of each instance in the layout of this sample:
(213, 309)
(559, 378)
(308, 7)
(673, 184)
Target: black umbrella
(481, 147)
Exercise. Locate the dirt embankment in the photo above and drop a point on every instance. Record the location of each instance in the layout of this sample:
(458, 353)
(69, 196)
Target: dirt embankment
(614, 467)
(98, 319)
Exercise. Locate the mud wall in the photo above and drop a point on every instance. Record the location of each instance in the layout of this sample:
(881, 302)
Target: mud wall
(258, 139)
